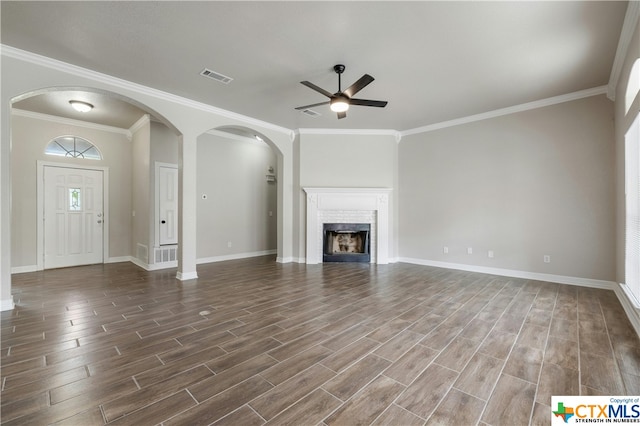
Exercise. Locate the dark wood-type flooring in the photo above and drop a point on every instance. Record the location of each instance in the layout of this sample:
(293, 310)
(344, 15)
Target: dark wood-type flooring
(253, 342)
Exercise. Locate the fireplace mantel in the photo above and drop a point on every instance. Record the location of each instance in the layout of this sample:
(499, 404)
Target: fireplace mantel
(348, 205)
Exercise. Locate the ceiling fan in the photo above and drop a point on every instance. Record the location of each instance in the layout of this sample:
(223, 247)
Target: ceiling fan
(340, 101)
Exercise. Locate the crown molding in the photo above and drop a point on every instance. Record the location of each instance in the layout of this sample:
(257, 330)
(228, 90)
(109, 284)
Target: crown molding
(632, 11)
(70, 122)
(601, 90)
(631, 18)
(46, 62)
(233, 136)
(145, 119)
(367, 132)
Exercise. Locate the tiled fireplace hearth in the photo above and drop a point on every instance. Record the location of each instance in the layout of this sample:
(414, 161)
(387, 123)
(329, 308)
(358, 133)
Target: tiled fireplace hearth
(348, 205)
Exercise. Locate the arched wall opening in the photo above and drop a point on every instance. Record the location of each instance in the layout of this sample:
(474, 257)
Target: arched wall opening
(238, 194)
(24, 76)
(128, 157)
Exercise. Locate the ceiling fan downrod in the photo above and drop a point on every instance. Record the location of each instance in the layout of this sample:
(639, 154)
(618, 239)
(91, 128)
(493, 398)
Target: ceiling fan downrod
(339, 69)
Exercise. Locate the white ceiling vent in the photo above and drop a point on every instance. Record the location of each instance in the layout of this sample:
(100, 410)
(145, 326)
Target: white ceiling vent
(311, 112)
(216, 76)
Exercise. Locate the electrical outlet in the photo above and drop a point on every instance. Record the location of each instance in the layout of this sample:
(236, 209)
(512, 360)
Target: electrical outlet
(469, 250)
(445, 250)
(229, 244)
(546, 258)
(490, 254)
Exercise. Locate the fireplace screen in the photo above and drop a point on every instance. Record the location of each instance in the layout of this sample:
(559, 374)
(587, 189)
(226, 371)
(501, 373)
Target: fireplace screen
(346, 242)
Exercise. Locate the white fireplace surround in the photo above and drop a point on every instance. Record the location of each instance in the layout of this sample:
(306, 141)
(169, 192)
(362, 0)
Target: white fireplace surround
(348, 205)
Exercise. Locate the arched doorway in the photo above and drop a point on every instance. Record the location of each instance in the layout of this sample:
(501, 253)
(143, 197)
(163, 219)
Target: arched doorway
(122, 129)
(237, 191)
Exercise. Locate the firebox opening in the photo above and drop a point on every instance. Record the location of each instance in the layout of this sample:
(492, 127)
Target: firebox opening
(346, 242)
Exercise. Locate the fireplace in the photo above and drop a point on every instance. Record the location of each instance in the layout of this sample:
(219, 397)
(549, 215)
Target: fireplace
(348, 206)
(346, 242)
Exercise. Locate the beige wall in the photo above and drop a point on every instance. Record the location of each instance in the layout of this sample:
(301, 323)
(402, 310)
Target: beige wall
(30, 136)
(141, 192)
(164, 144)
(232, 173)
(347, 161)
(525, 185)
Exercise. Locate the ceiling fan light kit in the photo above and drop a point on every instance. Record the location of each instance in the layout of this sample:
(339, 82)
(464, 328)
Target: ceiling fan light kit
(339, 104)
(340, 101)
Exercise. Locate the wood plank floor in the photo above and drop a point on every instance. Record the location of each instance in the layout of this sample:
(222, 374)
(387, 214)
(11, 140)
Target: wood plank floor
(253, 342)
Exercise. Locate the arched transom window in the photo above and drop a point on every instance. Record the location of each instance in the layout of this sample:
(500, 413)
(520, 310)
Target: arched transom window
(73, 146)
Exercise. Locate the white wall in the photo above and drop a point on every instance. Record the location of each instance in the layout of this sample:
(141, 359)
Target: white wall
(30, 137)
(231, 172)
(525, 185)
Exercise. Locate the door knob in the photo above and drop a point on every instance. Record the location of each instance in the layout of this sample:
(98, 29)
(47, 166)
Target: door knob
(163, 221)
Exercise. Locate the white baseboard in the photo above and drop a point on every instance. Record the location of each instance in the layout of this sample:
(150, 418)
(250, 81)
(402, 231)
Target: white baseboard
(7, 304)
(119, 259)
(23, 269)
(560, 279)
(236, 256)
(139, 263)
(153, 266)
(163, 265)
(186, 276)
(291, 259)
(630, 308)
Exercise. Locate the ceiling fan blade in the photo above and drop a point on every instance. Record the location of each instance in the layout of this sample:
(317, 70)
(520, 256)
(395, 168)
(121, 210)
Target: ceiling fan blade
(313, 105)
(358, 85)
(367, 102)
(317, 89)
(342, 114)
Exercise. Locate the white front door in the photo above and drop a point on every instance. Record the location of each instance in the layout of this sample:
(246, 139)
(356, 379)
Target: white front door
(167, 205)
(73, 217)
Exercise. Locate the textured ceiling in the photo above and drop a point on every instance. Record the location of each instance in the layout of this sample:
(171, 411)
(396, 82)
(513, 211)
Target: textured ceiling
(433, 61)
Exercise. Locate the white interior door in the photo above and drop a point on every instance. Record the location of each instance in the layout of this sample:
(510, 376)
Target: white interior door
(167, 205)
(73, 217)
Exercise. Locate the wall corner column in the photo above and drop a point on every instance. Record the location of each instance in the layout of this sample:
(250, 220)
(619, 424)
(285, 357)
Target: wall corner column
(285, 204)
(187, 197)
(6, 299)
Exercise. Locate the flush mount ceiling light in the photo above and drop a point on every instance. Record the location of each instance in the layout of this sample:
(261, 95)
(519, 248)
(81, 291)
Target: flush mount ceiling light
(81, 106)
